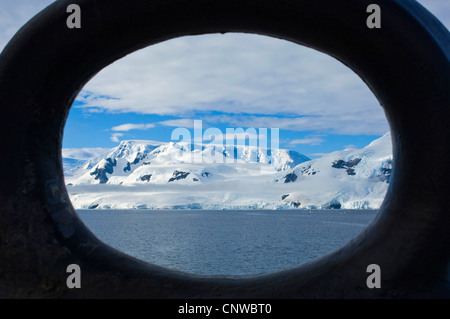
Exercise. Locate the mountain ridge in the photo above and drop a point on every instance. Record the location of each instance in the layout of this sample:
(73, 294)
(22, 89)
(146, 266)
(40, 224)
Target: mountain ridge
(137, 174)
(129, 156)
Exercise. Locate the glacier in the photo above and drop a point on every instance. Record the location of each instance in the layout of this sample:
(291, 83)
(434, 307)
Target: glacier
(147, 175)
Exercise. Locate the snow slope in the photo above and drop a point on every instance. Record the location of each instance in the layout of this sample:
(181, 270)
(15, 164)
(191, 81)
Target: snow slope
(350, 179)
(139, 174)
(137, 162)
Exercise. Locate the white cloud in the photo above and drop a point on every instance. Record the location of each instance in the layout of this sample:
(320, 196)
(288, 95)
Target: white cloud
(115, 137)
(440, 8)
(342, 123)
(83, 153)
(236, 74)
(130, 126)
(15, 13)
(307, 141)
(188, 123)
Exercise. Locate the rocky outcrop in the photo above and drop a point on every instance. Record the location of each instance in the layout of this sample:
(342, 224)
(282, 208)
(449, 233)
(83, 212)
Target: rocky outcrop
(387, 174)
(108, 168)
(334, 205)
(138, 158)
(308, 171)
(290, 178)
(296, 204)
(127, 168)
(348, 166)
(177, 175)
(146, 178)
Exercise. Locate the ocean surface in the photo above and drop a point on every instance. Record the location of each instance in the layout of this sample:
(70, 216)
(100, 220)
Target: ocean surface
(226, 242)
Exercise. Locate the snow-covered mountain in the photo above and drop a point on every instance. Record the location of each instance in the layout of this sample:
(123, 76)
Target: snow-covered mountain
(137, 162)
(74, 158)
(140, 174)
(350, 179)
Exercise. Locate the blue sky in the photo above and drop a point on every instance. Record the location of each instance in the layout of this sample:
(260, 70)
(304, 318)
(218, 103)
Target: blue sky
(227, 81)
(104, 129)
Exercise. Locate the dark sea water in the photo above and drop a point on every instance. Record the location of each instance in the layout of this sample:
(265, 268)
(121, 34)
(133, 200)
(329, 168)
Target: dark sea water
(226, 242)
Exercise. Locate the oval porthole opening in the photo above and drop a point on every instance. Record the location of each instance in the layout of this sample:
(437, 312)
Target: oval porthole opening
(227, 155)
